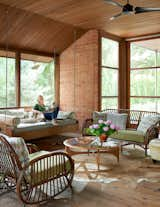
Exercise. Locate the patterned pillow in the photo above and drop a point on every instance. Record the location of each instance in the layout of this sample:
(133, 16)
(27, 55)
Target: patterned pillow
(20, 148)
(99, 115)
(146, 122)
(66, 115)
(117, 119)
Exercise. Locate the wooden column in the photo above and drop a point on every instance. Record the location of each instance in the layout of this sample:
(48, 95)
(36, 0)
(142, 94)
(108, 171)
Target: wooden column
(99, 70)
(124, 83)
(57, 80)
(128, 75)
(18, 87)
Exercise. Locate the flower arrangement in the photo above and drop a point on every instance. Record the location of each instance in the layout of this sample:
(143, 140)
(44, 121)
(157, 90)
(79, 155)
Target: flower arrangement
(102, 128)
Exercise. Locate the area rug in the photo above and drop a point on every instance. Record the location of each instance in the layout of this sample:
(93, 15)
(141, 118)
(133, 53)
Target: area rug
(134, 181)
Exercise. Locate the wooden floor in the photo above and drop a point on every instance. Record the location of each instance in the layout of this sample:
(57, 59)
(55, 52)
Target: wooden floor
(49, 143)
(134, 182)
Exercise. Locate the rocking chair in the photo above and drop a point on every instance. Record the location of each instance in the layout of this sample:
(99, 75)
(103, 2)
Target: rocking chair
(39, 176)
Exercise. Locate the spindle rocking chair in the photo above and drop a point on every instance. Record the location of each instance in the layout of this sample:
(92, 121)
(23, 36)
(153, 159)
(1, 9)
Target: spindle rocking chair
(37, 177)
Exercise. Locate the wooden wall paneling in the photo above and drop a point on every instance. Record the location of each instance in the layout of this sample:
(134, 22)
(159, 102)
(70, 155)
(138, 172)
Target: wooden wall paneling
(81, 95)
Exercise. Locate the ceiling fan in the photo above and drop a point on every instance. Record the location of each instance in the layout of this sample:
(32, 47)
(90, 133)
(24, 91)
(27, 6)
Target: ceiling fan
(129, 9)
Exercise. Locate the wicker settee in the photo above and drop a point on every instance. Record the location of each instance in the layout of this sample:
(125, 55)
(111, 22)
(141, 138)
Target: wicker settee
(134, 131)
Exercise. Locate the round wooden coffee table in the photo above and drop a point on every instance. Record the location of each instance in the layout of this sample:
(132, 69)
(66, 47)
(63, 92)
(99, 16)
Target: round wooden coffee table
(86, 145)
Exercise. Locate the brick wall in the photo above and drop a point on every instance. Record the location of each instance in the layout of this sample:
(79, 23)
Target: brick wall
(79, 76)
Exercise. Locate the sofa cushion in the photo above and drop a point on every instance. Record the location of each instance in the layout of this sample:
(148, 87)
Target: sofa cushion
(99, 115)
(9, 120)
(29, 120)
(63, 122)
(66, 115)
(13, 112)
(146, 122)
(117, 119)
(22, 127)
(128, 135)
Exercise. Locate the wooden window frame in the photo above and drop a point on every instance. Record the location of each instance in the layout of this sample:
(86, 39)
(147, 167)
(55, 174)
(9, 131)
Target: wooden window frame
(142, 68)
(108, 67)
(18, 73)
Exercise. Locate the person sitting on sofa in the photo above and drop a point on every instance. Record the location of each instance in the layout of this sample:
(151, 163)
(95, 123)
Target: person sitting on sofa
(40, 107)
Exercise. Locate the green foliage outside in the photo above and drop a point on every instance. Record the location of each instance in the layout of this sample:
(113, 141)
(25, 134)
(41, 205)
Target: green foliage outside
(144, 82)
(10, 89)
(36, 82)
(109, 76)
(33, 82)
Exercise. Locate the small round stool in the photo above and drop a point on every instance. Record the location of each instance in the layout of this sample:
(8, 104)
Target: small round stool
(154, 147)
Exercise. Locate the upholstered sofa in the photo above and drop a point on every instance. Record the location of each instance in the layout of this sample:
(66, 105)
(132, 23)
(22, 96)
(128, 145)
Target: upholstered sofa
(136, 127)
(21, 123)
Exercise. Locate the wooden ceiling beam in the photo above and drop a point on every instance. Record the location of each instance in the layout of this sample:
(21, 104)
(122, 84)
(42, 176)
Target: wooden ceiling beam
(27, 51)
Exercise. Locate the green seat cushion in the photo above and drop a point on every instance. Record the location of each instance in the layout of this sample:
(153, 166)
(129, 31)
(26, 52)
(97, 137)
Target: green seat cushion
(47, 168)
(128, 135)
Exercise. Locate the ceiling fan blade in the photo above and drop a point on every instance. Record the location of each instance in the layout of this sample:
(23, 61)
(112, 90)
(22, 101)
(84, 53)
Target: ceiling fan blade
(116, 16)
(114, 3)
(139, 10)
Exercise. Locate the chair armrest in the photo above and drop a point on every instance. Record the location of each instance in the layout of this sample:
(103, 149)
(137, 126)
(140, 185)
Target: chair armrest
(49, 173)
(85, 125)
(32, 148)
(152, 133)
(49, 157)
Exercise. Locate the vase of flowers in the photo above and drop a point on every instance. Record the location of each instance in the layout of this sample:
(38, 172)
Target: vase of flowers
(102, 129)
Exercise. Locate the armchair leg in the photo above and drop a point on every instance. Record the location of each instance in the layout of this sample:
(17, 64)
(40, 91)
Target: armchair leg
(154, 161)
(145, 148)
(121, 148)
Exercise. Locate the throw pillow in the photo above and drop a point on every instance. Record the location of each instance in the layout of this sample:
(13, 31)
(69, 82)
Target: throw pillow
(29, 120)
(20, 148)
(66, 115)
(120, 120)
(99, 115)
(146, 122)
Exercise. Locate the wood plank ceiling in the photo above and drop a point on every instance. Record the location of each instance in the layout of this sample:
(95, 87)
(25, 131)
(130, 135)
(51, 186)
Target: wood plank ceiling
(47, 24)
(95, 14)
(28, 31)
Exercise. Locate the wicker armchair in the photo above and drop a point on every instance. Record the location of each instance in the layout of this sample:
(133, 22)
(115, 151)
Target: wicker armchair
(39, 177)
